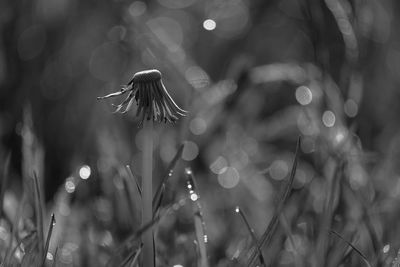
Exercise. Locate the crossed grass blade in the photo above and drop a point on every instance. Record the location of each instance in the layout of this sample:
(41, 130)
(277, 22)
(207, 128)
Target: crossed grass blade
(363, 257)
(267, 235)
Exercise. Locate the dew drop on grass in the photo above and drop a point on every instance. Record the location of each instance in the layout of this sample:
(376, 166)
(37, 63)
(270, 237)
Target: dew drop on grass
(386, 248)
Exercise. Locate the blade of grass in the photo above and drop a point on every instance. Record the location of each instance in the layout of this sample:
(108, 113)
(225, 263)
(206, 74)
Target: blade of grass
(133, 178)
(136, 258)
(134, 254)
(199, 223)
(137, 234)
(55, 258)
(50, 231)
(4, 183)
(267, 235)
(252, 234)
(157, 200)
(352, 246)
(38, 213)
(129, 200)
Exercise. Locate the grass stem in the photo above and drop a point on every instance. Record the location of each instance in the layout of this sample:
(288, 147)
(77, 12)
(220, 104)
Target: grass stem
(147, 187)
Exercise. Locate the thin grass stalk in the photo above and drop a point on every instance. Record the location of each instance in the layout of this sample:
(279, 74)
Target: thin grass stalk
(49, 232)
(199, 223)
(157, 200)
(136, 258)
(363, 257)
(129, 201)
(328, 212)
(147, 187)
(138, 234)
(267, 235)
(133, 178)
(252, 234)
(38, 214)
(4, 183)
(55, 258)
(131, 256)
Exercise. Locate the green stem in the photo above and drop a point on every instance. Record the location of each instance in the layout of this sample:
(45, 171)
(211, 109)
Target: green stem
(147, 187)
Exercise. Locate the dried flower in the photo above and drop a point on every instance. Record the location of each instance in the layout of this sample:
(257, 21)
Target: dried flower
(151, 96)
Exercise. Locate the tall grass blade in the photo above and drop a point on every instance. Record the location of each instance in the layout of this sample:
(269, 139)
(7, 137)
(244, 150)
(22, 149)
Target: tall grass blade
(127, 244)
(199, 223)
(157, 200)
(267, 235)
(55, 258)
(38, 213)
(136, 258)
(4, 183)
(134, 254)
(49, 232)
(352, 246)
(252, 234)
(133, 178)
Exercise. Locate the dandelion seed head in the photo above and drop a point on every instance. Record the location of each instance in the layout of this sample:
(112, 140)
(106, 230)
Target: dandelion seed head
(147, 90)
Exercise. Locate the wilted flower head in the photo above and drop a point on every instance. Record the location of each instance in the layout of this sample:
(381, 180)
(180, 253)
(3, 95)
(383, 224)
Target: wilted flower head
(151, 96)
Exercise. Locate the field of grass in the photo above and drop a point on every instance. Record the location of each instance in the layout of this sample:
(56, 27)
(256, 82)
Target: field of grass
(279, 149)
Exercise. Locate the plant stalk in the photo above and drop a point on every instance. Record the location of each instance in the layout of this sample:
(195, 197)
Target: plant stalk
(147, 187)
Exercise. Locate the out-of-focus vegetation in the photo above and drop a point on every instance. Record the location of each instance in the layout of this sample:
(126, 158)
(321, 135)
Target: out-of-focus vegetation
(254, 75)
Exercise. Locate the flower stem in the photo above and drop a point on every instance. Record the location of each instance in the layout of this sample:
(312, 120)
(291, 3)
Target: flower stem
(147, 187)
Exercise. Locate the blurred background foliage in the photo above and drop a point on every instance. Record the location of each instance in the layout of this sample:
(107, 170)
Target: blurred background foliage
(254, 75)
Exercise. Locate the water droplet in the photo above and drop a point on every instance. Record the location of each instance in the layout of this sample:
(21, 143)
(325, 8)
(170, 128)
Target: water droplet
(84, 172)
(237, 210)
(194, 196)
(209, 24)
(386, 248)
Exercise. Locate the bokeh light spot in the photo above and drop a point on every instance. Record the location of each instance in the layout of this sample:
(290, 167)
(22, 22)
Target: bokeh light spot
(229, 178)
(328, 118)
(209, 24)
(350, 108)
(278, 169)
(219, 165)
(84, 172)
(303, 95)
(70, 185)
(137, 8)
(198, 126)
(190, 151)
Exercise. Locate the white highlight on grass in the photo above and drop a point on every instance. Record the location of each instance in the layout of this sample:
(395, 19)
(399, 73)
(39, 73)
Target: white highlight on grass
(178, 265)
(386, 248)
(328, 118)
(209, 24)
(84, 172)
(194, 196)
(49, 256)
(229, 178)
(303, 95)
